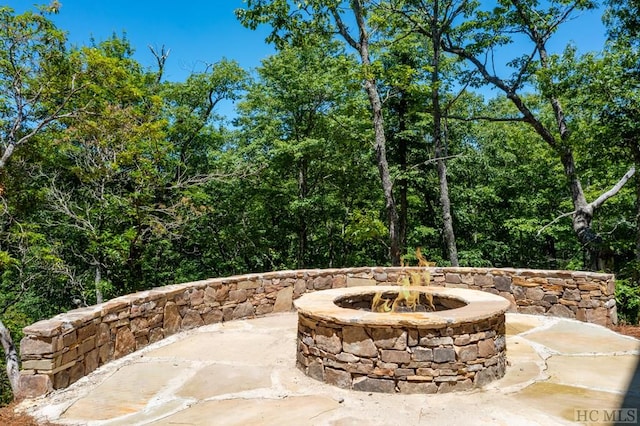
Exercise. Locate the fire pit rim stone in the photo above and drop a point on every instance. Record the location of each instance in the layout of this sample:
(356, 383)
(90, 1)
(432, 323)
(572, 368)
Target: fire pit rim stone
(479, 306)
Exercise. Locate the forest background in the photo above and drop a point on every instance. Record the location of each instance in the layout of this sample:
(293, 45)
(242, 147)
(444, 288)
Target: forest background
(367, 134)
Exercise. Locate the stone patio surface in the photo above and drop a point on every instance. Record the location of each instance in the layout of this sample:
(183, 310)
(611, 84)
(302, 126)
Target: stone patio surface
(561, 372)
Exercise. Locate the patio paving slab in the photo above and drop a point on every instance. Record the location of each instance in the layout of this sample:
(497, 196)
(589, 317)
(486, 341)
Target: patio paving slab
(129, 390)
(573, 337)
(564, 403)
(594, 372)
(243, 372)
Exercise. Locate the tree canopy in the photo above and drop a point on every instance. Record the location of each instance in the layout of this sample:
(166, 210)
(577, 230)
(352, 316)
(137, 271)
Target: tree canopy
(367, 134)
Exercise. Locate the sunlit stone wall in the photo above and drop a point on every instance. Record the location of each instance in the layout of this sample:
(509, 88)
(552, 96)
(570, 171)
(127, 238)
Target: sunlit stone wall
(58, 351)
(455, 347)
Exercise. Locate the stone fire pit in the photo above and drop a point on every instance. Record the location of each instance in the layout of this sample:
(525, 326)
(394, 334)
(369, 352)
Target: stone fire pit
(458, 346)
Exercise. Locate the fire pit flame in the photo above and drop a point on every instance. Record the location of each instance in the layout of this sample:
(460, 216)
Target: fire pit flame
(406, 298)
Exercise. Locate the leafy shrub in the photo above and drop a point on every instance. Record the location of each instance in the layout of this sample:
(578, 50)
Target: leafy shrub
(628, 301)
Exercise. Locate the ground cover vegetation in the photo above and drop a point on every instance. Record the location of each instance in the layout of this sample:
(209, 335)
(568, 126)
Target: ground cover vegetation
(377, 127)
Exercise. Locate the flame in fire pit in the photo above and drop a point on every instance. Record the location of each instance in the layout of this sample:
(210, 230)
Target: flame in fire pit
(407, 298)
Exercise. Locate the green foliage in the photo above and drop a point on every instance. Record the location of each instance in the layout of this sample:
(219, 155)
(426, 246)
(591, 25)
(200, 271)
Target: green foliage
(628, 292)
(628, 301)
(141, 183)
(623, 20)
(36, 80)
(364, 227)
(304, 120)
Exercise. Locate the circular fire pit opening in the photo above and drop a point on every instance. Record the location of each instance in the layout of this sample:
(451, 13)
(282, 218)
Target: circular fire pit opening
(444, 339)
(425, 301)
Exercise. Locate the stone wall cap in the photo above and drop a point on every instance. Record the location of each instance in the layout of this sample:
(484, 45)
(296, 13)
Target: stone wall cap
(76, 317)
(522, 272)
(44, 328)
(82, 315)
(114, 305)
(200, 284)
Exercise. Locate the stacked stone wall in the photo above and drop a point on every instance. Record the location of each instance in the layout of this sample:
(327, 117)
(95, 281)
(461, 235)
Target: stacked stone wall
(409, 359)
(58, 351)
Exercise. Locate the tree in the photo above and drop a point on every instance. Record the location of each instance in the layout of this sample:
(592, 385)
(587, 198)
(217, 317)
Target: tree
(203, 160)
(623, 21)
(303, 119)
(190, 107)
(104, 156)
(134, 165)
(37, 82)
(504, 200)
(605, 88)
(38, 85)
(618, 79)
(402, 64)
(325, 17)
(475, 40)
(434, 22)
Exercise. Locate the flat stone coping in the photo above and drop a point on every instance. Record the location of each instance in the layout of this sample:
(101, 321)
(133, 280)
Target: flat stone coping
(479, 306)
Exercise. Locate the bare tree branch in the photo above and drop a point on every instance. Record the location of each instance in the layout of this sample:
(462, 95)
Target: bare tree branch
(614, 190)
(598, 201)
(485, 118)
(554, 221)
(161, 59)
(12, 358)
(435, 160)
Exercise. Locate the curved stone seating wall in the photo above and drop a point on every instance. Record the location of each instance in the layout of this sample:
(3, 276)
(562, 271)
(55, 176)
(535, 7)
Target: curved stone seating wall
(58, 351)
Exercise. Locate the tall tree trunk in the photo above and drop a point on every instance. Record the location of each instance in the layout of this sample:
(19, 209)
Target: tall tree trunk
(96, 281)
(440, 147)
(11, 357)
(583, 210)
(371, 88)
(635, 149)
(402, 183)
(638, 217)
(445, 202)
(383, 169)
(7, 153)
(302, 219)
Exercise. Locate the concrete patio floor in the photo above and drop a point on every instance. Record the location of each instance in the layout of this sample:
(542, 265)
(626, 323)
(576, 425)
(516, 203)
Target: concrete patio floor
(561, 372)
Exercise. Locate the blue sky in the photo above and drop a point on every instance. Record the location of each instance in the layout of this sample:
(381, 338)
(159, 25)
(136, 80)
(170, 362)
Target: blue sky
(196, 31)
(200, 32)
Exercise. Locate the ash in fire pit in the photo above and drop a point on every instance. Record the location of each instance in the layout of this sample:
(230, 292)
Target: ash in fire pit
(446, 339)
